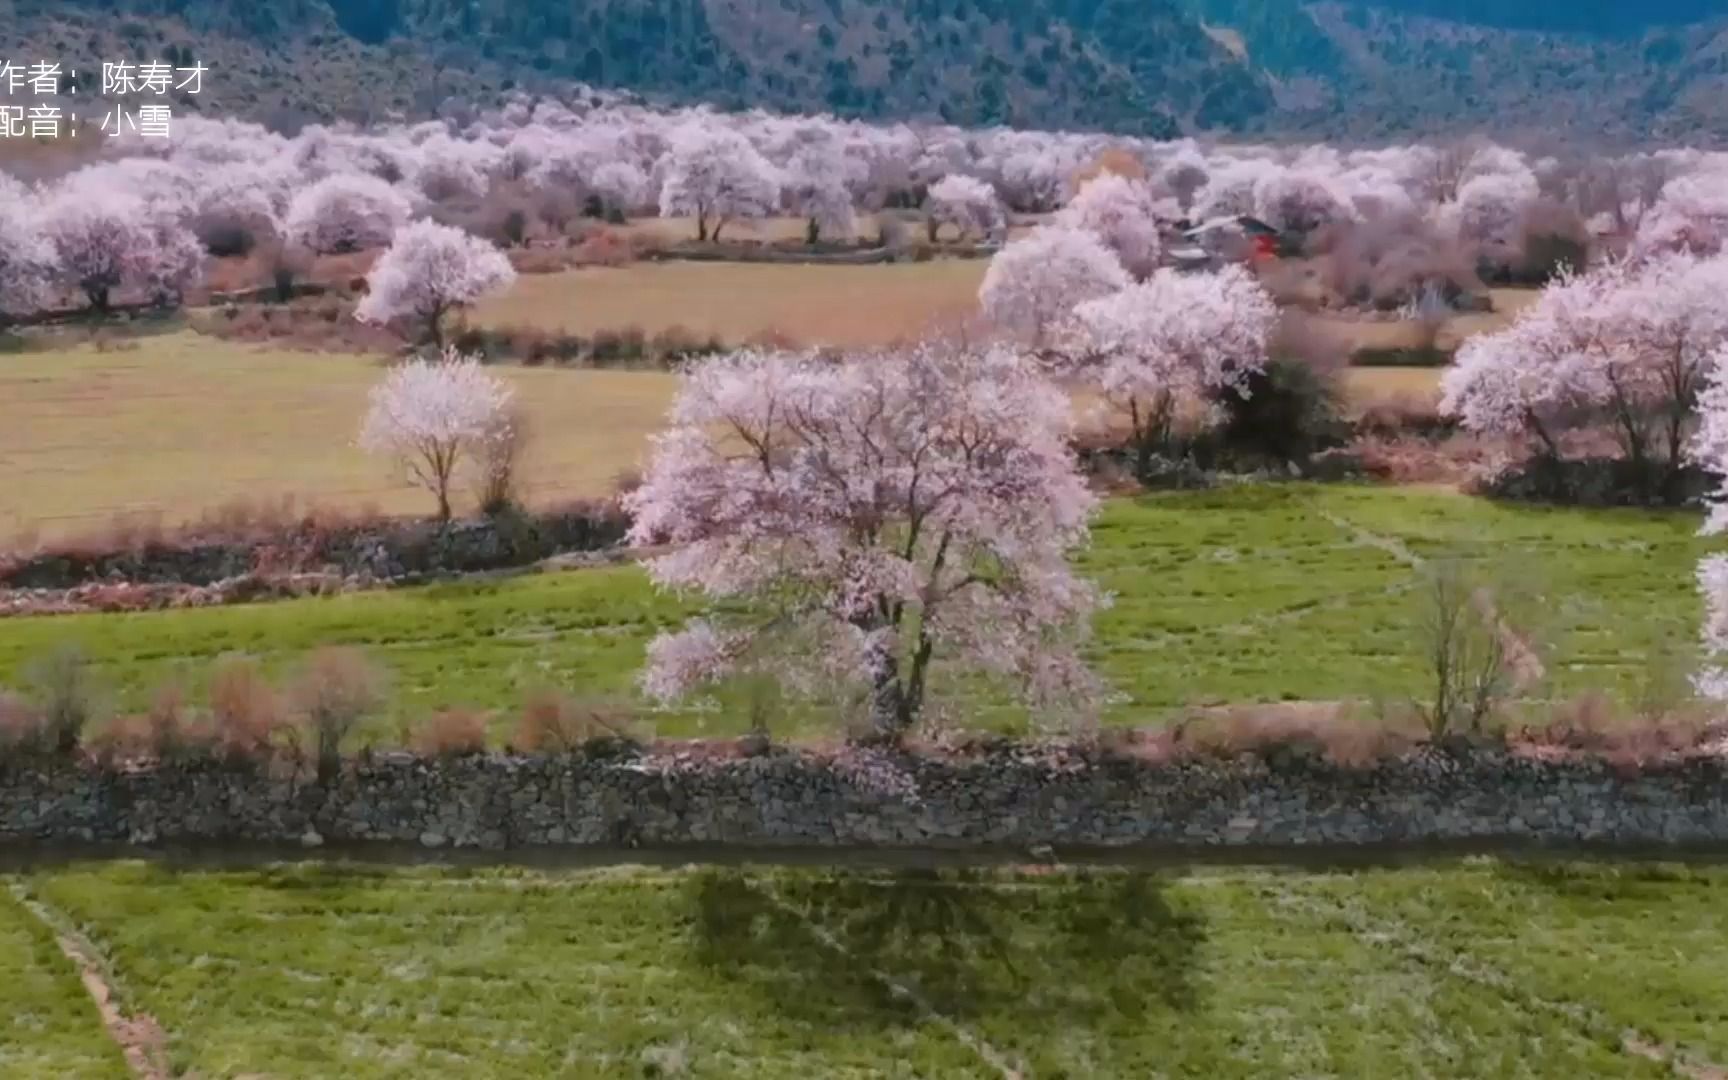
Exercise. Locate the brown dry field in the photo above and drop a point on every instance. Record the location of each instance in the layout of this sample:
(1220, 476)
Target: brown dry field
(173, 427)
(743, 302)
(182, 425)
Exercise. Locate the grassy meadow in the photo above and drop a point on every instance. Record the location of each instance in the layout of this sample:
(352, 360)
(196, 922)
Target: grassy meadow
(178, 425)
(174, 426)
(1249, 594)
(1471, 968)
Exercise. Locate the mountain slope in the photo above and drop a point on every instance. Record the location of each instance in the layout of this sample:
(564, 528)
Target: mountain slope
(1142, 66)
(1656, 70)
(1584, 68)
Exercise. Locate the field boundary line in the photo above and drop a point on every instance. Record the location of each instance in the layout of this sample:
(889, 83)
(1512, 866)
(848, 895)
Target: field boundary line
(1391, 545)
(1462, 965)
(140, 1038)
(987, 1053)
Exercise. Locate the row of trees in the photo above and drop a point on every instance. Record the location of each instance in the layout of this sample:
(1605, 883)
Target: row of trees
(865, 520)
(1628, 346)
(232, 187)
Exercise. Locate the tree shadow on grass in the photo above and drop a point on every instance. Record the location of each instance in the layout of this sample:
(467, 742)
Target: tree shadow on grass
(972, 945)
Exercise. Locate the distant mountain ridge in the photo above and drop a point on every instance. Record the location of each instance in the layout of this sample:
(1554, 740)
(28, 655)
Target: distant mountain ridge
(1585, 68)
(1346, 69)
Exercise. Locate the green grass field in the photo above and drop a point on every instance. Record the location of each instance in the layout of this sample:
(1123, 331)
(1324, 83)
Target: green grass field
(48, 1025)
(1254, 594)
(1471, 968)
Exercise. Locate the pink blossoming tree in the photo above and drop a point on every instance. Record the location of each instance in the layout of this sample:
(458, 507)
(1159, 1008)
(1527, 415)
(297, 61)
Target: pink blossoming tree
(1034, 283)
(27, 267)
(430, 270)
(1175, 338)
(716, 176)
(1709, 449)
(968, 204)
(1629, 345)
(867, 520)
(1122, 214)
(102, 239)
(431, 416)
(345, 212)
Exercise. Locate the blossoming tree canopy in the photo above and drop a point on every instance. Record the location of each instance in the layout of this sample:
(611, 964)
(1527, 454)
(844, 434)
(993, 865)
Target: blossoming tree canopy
(869, 520)
(346, 212)
(1630, 343)
(428, 270)
(1035, 282)
(1176, 336)
(716, 175)
(1709, 450)
(1122, 214)
(433, 415)
(968, 204)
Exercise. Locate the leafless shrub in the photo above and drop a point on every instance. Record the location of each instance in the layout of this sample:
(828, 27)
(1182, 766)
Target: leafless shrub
(553, 723)
(246, 712)
(172, 731)
(1338, 732)
(448, 733)
(497, 459)
(65, 691)
(23, 733)
(1476, 655)
(1386, 262)
(1595, 725)
(335, 689)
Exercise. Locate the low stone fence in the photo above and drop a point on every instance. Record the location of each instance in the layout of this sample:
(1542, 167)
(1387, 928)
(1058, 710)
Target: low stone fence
(868, 799)
(303, 559)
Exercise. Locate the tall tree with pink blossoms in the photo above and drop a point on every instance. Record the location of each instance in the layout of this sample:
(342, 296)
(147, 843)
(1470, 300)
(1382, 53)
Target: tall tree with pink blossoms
(429, 271)
(716, 176)
(102, 239)
(867, 521)
(1175, 338)
(345, 212)
(27, 268)
(1709, 450)
(967, 203)
(1628, 345)
(1690, 216)
(432, 416)
(818, 188)
(1034, 283)
(1124, 217)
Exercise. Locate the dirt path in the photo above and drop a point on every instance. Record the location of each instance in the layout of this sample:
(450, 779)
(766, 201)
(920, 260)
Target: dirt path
(140, 1037)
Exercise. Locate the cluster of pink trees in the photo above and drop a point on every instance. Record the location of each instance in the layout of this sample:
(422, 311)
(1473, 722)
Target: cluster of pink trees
(26, 258)
(884, 518)
(1629, 344)
(531, 167)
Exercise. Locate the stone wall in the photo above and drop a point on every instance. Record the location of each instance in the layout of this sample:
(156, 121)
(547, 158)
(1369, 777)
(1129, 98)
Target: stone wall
(498, 802)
